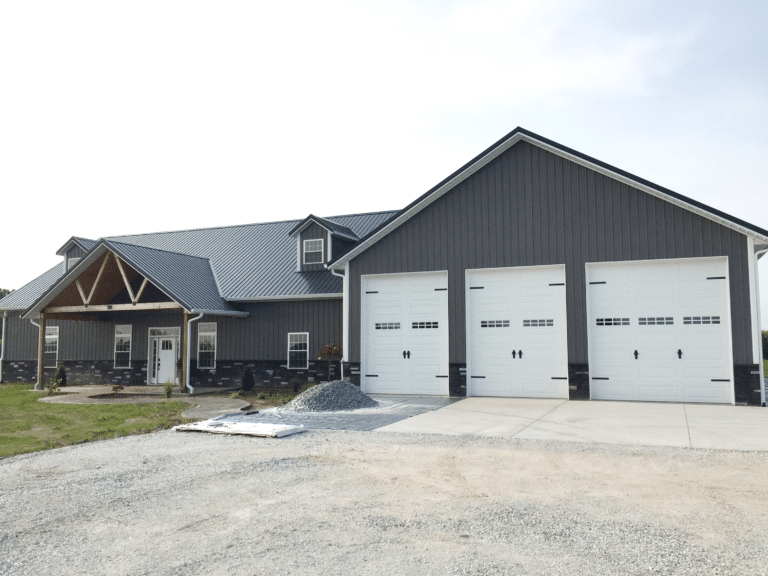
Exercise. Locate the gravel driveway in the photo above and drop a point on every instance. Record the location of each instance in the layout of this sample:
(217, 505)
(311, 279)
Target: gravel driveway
(340, 502)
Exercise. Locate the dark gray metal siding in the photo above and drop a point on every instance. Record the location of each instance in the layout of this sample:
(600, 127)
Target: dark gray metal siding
(75, 252)
(531, 207)
(263, 335)
(314, 232)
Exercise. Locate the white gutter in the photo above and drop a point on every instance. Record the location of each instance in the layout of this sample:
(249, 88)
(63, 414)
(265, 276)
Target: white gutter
(2, 346)
(38, 385)
(189, 348)
(345, 315)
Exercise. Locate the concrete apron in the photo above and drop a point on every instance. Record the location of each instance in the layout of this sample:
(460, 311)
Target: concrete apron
(644, 423)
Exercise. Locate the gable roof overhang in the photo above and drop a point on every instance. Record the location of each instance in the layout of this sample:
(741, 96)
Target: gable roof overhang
(521, 134)
(186, 280)
(335, 229)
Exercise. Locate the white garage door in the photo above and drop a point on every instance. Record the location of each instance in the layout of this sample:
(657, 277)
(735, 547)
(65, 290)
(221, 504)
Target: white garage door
(517, 341)
(405, 333)
(660, 330)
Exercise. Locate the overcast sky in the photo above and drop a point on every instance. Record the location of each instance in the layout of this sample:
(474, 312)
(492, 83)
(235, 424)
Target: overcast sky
(130, 117)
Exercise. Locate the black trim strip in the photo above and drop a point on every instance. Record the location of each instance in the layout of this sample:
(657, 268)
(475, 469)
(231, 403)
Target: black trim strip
(440, 289)
(597, 282)
(477, 376)
(476, 287)
(374, 292)
(371, 375)
(558, 378)
(719, 380)
(560, 284)
(716, 278)
(441, 376)
(594, 378)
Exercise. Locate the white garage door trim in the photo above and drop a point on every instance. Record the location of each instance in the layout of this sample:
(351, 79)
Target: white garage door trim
(421, 321)
(713, 269)
(553, 384)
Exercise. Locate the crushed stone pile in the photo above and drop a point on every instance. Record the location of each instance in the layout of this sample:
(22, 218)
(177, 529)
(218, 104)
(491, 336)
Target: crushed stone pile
(330, 397)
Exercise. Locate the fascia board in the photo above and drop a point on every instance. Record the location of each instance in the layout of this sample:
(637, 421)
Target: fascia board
(308, 221)
(287, 297)
(503, 147)
(205, 312)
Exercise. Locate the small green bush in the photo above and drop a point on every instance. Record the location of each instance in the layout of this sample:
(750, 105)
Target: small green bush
(53, 387)
(61, 376)
(235, 395)
(168, 390)
(246, 380)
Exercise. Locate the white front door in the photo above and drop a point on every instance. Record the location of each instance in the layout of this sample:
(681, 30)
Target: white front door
(517, 339)
(166, 361)
(405, 333)
(163, 355)
(660, 331)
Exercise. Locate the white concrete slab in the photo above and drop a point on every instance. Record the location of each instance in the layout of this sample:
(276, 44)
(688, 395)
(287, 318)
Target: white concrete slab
(642, 423)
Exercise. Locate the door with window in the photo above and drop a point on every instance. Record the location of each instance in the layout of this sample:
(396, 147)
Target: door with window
(163, 356)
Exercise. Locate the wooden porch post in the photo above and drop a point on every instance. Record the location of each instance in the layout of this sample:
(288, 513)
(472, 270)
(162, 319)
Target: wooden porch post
(184, 351)
(40, 384)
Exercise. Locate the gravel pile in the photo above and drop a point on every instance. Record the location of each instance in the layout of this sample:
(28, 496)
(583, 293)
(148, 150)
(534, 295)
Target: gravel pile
(330, 397)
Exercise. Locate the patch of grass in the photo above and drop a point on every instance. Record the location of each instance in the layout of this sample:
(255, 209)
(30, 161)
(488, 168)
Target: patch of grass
(27, 425)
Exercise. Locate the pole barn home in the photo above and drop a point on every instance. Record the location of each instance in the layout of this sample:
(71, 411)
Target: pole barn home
(532, 271)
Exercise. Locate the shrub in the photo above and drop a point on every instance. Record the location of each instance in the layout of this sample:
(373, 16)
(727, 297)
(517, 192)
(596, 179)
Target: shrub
(246, 380)
(168, 390)
(53, 387)
(61, 376)
(297, 382)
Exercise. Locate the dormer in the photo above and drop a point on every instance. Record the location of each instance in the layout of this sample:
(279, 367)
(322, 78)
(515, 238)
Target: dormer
(317, 242)
(74, 249)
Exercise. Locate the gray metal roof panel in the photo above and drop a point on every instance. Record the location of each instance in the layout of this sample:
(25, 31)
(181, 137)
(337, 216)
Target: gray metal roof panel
(187, 279)
(25, 296)
(84, 243)
(256, 260)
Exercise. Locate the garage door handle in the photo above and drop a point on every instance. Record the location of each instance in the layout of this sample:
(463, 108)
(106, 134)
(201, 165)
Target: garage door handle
(680, 354)
(409, 354)
(514, 354)
(520, 353)
(403, 354)
(636, 354)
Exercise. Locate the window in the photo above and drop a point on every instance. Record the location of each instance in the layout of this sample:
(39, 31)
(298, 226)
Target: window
(51, 354)
(538, 323)
(613, 321)
(313, 251)
(206, 345)
(123, 333)
(387, 325)
(298, 350)
(656, 321)
(701, 320)
(494, 324)
(419, 325)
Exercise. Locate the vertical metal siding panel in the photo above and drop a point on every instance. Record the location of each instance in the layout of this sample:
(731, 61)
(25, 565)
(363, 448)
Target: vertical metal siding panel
(617, 238)
(679, 231)
(706, 237)
(529, 209)
(669, 229)
(604, 193)
(696, 236)
(519, 237)
(552, 213)
(626, 236)
(652, 205)
(642, 219)
(503, 220)
(560, 219)
(687, 229)
(740, 304)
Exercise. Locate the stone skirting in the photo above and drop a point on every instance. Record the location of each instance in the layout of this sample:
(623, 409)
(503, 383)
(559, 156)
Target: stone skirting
(79, 373)
(266, 373)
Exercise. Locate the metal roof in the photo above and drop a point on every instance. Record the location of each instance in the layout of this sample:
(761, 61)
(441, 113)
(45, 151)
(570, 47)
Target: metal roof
(256, 261)
(84, 243)
(186, 279)
(25, 296)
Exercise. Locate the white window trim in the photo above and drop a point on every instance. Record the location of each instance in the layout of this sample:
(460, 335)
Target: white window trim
(214, 332)
(321, 251)
(130, 344)
(51, 337)
(288, 363)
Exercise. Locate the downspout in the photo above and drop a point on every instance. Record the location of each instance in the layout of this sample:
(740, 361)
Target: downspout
(2, 346)
(189, 350)
(759, 253)
(345, 318)
(38, 385)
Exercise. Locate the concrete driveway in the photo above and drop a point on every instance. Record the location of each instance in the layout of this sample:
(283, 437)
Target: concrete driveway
(644, 423)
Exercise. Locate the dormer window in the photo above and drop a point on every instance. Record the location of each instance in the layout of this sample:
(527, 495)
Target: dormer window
(313, 251)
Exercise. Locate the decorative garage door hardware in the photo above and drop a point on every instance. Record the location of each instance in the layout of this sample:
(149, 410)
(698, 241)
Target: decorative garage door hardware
(717, 278)
(655, 321)
(597, 282)
(441, 376)
(494, 324)
(635, 354)
(440, 289)
(537, 323)
(596, 378)
(680, 354)
(407, 354)
(720, 380)
(558, 284)
(373, 292)
(612, 321)
(371, 375)
(701, 320)
(559, 378)
(520, 354)
(476, 287)
(478, 376)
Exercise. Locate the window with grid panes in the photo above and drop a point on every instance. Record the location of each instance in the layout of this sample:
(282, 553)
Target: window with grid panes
(51, 353)
(313, 251)
(123, 335)
(206, 345)
(298, 350)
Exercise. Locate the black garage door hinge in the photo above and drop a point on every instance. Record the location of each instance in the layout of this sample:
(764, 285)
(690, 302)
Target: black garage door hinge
(374, 292)
(477, 376)
(597, 282)
(441, 376)
(371, 375)
(558, 378)
(595, 378)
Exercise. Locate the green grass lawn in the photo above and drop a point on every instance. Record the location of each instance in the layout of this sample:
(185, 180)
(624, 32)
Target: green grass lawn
(27, 425)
